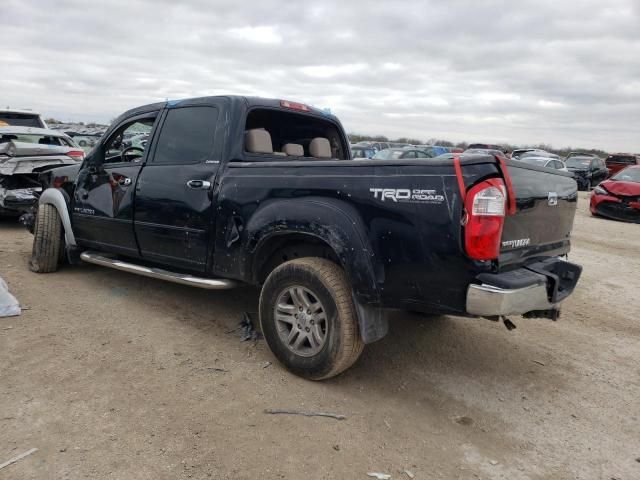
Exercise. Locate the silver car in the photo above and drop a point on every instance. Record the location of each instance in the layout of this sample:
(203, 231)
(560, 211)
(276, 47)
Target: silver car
(26, 152)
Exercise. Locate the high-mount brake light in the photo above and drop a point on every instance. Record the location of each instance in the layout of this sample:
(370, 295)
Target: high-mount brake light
(76, 154)
(485, 205)
(294, 106)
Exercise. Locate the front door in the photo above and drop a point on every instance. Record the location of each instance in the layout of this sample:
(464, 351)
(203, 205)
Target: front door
(104, 196)
(173, 210)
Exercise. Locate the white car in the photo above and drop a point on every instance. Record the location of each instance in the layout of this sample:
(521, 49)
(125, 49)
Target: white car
(554, 163)
(20, 118)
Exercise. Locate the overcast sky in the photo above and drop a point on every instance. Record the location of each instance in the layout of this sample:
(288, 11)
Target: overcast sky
(561, 72)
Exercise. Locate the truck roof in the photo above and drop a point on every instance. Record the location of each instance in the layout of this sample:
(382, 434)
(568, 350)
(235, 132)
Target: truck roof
(250, 102)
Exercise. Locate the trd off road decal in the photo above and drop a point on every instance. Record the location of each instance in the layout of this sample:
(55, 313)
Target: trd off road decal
(406, 195)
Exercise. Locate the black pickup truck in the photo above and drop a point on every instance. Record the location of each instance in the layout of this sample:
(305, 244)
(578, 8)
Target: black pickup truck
(230, 191)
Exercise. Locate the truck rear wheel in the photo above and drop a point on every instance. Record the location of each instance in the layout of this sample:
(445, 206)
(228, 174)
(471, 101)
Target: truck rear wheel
(47, 240)
(308, 318)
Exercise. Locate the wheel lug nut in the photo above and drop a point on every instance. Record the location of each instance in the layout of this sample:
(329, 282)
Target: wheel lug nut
(312, 322)
(299, 327)
(296, 315)
(308, 312)
(300, 308)
(307, 329)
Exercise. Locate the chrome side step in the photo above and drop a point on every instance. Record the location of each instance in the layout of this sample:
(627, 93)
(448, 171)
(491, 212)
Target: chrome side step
(182, 278)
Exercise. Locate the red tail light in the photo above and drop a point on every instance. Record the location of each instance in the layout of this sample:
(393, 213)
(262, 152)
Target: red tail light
(59, 181)
(485, 205)
(76, 154)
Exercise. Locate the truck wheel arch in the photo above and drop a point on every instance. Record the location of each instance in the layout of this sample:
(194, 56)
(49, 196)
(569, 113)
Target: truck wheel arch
(60, 200)
(334, 233)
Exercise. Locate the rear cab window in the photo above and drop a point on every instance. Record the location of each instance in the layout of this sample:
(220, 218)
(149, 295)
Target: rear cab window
(21, 120)
(272, 133)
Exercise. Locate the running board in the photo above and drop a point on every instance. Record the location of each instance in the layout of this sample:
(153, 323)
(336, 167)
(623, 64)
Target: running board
(182, 278)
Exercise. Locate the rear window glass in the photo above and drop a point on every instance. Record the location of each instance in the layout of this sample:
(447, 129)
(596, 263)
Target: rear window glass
(30, 138)
(20, 120)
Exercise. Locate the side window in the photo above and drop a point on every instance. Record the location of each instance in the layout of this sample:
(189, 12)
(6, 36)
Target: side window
(187, 135)
(410, 154)
(129, 141)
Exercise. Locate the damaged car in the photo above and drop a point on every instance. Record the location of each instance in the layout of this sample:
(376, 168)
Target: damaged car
(25, 153)
(618, 197)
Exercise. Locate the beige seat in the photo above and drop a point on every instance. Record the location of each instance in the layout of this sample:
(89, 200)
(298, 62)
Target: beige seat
(293, 150)
(320, 148)
(258, 140)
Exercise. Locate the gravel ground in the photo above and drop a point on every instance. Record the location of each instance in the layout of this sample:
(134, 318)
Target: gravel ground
(116, 376)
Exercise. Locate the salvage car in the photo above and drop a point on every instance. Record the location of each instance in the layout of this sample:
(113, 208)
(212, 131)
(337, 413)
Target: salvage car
(588, 171)
(20, 118)
(544, 162)
(619, 196)
(25, 153)
(618, 161)
(234, 191)
(358, 151)
(401, 154)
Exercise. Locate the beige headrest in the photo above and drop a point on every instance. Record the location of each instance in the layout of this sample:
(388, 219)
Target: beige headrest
(258, 140)
(320, 148)
(293, 150)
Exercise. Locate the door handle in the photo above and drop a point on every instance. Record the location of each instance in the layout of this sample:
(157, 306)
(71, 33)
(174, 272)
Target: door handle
(124, 181)
(199, 184)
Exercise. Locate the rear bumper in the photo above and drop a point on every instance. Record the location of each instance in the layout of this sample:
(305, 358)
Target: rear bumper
(539, 287)
(489, 301)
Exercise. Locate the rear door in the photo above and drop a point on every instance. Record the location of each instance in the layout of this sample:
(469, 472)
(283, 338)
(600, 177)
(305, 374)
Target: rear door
(174, 211)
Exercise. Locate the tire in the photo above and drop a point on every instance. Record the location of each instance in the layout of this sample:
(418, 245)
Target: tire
(47, 240)
(334, 343)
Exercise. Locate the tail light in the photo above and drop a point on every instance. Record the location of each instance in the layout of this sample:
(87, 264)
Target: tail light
(485, 205)
(59, 181)
(76, 154)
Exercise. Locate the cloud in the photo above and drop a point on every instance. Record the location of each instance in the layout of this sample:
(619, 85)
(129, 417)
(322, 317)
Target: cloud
(522, 72)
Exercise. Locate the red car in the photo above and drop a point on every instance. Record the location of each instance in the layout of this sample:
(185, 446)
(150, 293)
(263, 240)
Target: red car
(618, 161)
(619, 197)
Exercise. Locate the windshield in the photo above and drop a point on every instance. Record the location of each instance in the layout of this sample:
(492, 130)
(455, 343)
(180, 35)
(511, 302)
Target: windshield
(34, 138)
(627, 175)
(578, 162)
(541, 162)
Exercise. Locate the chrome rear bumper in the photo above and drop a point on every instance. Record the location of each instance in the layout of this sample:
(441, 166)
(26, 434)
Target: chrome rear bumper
(487, 300)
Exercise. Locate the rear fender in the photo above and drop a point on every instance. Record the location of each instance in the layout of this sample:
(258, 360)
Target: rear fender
(338, 225)
(60, 200)
(332, 221)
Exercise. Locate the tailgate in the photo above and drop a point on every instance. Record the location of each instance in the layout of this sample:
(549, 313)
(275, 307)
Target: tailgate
(546, 202)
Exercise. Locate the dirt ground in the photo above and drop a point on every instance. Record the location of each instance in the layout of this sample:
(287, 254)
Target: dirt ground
(116, 376)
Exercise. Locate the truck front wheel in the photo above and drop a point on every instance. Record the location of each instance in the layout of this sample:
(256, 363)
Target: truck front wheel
(308, 318)
(48, 242)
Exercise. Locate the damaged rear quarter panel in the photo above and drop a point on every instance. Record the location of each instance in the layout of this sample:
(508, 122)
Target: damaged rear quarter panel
(401, 250)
